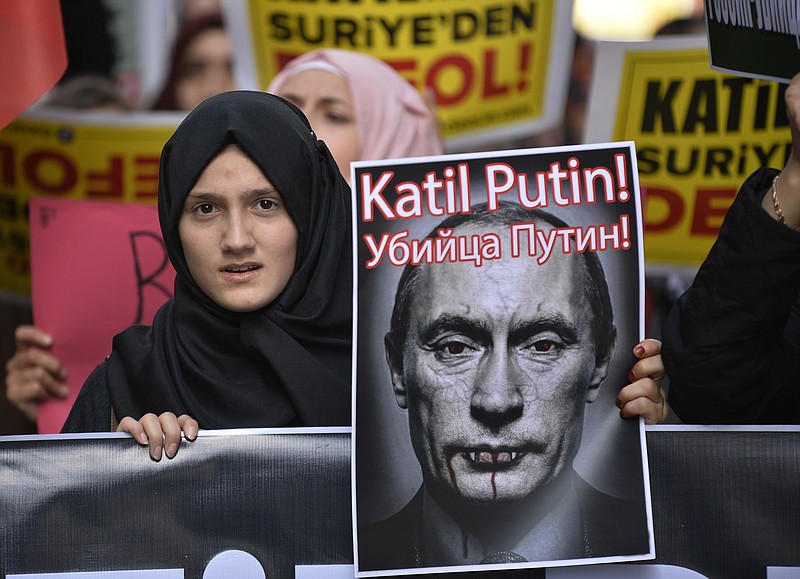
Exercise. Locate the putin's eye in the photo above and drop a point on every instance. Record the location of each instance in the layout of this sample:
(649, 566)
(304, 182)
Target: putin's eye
(455, 347)
(546, 346)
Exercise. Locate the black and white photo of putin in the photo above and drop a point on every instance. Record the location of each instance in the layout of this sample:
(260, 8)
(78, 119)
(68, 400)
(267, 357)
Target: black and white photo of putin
(495, 366)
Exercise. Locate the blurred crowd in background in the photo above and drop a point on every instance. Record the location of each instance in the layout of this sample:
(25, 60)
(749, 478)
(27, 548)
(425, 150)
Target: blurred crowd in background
(190, 58)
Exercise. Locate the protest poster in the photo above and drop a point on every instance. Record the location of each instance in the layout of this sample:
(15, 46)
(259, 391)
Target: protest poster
(770, 29)
(97, 262)
(72, 155)
(698, 132)
(486, 288)
(497, 69)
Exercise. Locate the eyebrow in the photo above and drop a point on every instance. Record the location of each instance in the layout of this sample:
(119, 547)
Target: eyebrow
(551, 323)
(481, 332)
(452, 323)
(210, 196)
(327, 100)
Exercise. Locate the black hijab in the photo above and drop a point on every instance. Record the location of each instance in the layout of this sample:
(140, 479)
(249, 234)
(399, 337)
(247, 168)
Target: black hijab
(286, 364)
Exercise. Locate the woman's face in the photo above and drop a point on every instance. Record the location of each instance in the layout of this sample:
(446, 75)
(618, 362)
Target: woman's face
(325, 99)
(206, 69)
(239, 241)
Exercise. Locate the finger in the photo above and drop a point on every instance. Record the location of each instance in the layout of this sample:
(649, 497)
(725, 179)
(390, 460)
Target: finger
(37, 358)
(155, 436)
(172, 433)
(652, 367)
(647, 347)
(26, 336)
(26, 387)
(644, 388)
(651, 412)
(132, 427)
(189, 426)
(49, 384)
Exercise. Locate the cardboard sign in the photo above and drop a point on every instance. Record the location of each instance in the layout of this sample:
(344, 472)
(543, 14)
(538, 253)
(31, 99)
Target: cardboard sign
(497, 69)
(97, 269)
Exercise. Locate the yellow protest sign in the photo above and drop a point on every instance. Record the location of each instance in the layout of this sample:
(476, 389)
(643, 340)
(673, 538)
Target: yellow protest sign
(698, 132)
(76, 155)
(493, 66)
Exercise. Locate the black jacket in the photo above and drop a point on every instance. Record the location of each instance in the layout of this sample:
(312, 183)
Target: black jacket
(731, 343)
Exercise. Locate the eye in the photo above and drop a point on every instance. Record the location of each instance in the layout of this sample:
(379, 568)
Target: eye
(192, 70)
(337, 117)
(266, 204)
(204, 208)
(544, 345)
(454, 349)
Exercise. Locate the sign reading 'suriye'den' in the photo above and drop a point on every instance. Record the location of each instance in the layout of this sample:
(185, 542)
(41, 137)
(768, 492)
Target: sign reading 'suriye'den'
(495, 68)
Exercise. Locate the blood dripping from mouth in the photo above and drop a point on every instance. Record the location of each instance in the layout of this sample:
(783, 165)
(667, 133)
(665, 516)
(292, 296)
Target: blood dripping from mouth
(454, 481)
(464, 532)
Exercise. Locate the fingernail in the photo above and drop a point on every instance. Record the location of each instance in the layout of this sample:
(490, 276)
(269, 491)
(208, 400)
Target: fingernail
(156, 456)
(142, 438)
(639, 351)
(619, 403)
(172, 449)
(191, 433)
(622, 414)
(631, 376)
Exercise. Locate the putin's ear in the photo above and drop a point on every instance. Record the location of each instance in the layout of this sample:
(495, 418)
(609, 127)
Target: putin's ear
(394, 358)
(604, 354)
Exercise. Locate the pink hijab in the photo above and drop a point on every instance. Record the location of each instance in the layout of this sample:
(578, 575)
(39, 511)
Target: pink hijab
(392, 119)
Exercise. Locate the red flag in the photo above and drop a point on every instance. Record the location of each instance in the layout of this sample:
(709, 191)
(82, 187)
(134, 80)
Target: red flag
(33, 55)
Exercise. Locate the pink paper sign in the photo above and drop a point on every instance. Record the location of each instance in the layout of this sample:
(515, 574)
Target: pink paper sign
(96, 268)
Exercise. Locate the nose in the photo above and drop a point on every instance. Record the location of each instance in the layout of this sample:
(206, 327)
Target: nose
(237, 236)
(497, 398)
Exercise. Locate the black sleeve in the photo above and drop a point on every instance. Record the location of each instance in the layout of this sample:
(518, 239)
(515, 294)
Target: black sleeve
(92, 409)
(730, 344)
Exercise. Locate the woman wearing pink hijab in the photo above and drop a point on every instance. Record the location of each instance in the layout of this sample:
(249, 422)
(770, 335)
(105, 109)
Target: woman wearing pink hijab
(360, 106)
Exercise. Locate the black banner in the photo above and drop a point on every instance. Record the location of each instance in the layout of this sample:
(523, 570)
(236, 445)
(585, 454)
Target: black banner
(725, 506)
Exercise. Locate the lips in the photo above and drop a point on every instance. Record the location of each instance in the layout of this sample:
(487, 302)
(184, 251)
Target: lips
(491, 459)
(240, 268)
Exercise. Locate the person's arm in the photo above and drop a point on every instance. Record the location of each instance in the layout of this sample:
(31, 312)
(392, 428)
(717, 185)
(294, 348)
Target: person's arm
(730, 343)
(34, 375)
(644, 396)
(782, 201)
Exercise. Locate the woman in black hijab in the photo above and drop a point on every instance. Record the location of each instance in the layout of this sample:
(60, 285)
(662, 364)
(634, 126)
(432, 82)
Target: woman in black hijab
(212, 353)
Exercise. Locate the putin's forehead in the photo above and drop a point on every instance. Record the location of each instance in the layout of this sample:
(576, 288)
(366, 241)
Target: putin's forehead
(507, 290)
